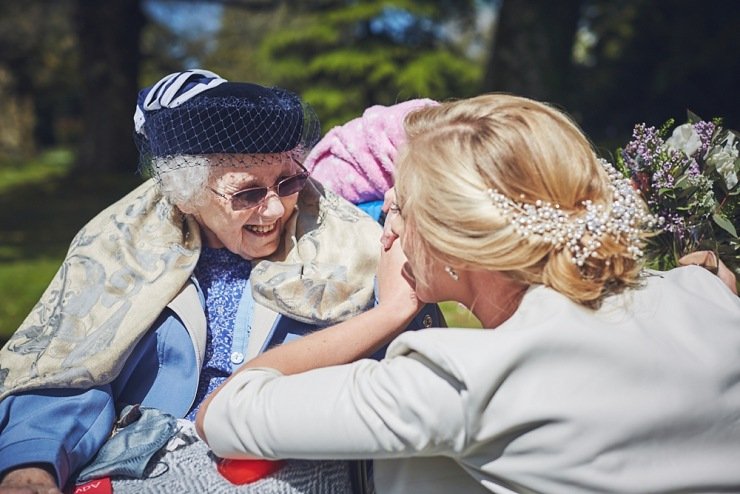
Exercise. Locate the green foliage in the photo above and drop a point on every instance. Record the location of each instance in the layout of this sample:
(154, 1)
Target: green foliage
(38, 76)
(21, 285)
(50, 164)
(234, 54)
(458, 316)
(440, 75)
(353, 55)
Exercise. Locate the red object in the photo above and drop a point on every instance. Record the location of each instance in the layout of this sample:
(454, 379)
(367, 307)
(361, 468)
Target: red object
(97, 486)
(245, 471)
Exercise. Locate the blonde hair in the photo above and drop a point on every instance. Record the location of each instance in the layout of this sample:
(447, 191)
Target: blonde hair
(527, 151)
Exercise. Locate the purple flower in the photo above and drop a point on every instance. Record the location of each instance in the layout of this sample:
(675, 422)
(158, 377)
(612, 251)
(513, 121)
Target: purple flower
(643, 149)
(674, 224)
(693, 171)
(706, 132)
(688, 180)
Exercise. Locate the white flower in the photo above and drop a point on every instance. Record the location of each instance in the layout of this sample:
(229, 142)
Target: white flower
(684, 138)
(723, 159)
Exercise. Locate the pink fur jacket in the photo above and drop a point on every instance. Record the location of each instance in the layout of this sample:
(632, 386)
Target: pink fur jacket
(356, 159)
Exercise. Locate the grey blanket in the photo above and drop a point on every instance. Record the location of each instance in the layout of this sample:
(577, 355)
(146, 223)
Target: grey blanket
(186, 465)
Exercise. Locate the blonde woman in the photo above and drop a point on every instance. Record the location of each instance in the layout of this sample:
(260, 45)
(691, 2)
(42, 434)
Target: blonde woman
(593, 375)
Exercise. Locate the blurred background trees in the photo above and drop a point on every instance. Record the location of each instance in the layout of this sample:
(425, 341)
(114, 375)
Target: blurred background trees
(70, 71)
(39, 86)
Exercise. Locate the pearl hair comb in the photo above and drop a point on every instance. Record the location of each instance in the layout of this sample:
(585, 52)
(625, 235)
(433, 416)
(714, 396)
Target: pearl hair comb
(624, 219)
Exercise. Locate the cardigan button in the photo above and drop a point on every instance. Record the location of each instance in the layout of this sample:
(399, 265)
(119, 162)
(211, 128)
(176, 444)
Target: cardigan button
(237, 357)
(427, 321)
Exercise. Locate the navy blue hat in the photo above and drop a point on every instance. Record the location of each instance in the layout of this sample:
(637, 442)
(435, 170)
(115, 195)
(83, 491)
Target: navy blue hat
(197, 112)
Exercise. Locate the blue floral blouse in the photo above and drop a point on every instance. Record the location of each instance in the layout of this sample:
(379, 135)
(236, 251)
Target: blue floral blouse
(222, 276)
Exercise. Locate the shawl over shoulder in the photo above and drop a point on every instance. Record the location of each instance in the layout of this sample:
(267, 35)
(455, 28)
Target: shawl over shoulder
(130, 261)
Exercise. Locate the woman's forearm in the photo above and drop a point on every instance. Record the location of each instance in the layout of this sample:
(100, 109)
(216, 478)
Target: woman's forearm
(342, 343)
(359, 336)
(350, 340)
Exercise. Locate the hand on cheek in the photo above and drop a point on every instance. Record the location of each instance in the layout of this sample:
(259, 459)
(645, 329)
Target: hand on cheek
(388, 237)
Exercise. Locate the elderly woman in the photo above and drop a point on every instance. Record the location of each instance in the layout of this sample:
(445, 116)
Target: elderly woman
(593, 375)
(229, 249)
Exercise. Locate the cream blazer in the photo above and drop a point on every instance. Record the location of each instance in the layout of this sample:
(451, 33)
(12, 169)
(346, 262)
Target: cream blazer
(640, 396)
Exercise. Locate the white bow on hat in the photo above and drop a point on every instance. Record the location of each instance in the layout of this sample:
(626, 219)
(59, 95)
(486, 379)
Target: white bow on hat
(169, 93)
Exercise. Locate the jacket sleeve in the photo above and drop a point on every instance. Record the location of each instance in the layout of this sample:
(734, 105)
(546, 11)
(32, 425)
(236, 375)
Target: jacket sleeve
(64, 428)
(367, 409)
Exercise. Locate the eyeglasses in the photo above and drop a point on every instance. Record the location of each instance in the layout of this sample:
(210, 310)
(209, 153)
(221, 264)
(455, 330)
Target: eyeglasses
(254, 196)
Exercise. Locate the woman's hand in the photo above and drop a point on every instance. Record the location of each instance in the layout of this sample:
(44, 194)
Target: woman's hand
(710, 261)
(389, 201)
(29, 480)
(396, 284)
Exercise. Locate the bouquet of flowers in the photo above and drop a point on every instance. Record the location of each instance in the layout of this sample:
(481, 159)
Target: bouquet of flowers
(689, 179)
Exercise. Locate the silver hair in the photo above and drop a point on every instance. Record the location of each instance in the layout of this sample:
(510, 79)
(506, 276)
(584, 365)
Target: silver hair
(182, 184)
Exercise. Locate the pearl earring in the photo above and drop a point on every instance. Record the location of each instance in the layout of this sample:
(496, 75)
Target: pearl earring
(453, 274)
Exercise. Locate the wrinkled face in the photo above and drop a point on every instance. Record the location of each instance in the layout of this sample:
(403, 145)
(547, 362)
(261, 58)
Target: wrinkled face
(251, 233)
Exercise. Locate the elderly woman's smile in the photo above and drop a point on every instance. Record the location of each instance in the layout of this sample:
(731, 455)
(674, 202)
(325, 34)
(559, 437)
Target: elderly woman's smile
(261, 229)
(255, 231)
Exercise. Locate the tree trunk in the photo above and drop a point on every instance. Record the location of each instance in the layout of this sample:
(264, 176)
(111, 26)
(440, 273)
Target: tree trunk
(532, 48)
(17, 121)
(109, 35)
